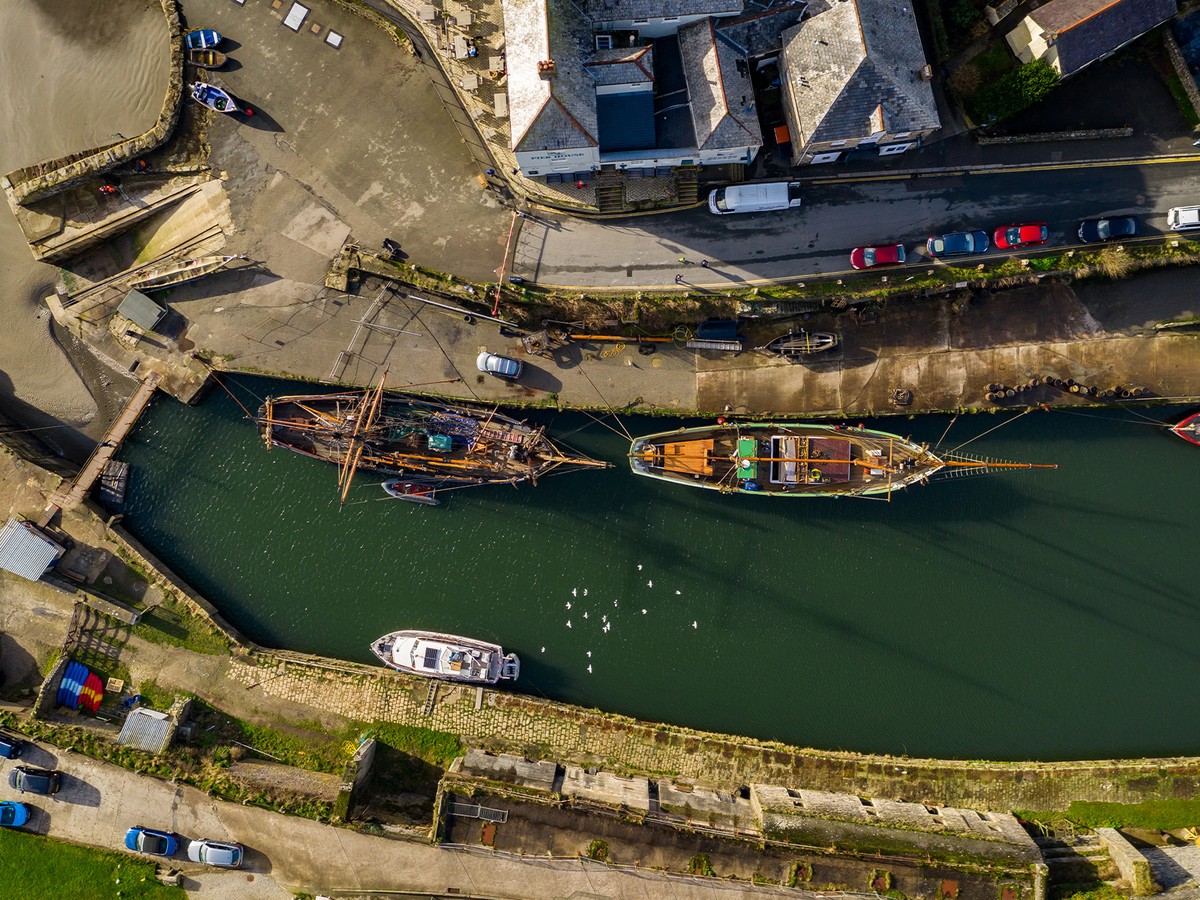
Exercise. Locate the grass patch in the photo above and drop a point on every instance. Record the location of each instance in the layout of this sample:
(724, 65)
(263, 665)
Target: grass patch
(700, 864)
(1094, 891)
(1154, 815)
(438, 748)
(172, 625)
(995, 62)
(35, 866)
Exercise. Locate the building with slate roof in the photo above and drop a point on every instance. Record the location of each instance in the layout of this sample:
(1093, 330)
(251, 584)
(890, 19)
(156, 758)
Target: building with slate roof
(1072, 34)
(626, 84)
(855, 77)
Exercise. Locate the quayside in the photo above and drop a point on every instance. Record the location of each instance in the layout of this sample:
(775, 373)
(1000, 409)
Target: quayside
(988, 618)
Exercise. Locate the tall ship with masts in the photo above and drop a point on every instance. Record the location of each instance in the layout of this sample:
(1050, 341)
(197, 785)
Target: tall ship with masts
(796, 460)
(420, 440)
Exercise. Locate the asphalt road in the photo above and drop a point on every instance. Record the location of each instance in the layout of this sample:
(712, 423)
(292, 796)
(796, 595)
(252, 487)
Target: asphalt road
(817, 238)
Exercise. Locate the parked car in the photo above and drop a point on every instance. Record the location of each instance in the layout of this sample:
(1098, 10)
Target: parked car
(1182, 218)
(216, 853)
(957, 243)
(1012, 237)
(27, 779)
(11, 747)
(1093, 230)
(869, 257)
(152, 841)
(13, 814)
(747, 198)
(500, 366)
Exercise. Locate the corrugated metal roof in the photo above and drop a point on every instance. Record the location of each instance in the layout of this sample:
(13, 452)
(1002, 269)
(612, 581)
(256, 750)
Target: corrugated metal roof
(146, 729)
(141, 310)
(25, 551)
(626, 121)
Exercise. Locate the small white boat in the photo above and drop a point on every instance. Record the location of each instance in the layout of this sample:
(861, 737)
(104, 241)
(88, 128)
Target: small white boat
(413, 493)
(446, 656)
(215, 98)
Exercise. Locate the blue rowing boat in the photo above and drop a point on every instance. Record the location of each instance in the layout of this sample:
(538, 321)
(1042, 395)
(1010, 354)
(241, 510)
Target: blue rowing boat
(201, 39)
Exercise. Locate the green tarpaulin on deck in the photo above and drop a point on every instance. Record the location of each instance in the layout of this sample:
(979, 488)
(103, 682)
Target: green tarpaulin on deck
(747, 468)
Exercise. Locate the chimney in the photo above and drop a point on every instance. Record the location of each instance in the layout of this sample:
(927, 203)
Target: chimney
(546, 68)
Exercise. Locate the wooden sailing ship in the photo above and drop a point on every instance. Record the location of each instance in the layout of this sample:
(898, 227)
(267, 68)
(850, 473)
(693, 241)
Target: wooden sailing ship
(796, 345)
(179, 271)
(418, 440)
(795, 460)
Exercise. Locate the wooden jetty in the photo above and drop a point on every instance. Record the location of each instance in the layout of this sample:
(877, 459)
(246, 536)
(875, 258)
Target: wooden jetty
(72, 494)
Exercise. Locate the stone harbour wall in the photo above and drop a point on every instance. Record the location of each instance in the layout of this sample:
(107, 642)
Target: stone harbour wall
(46, 178)
(540, 728)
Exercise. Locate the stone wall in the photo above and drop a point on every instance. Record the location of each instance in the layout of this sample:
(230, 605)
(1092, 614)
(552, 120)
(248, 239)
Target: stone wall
(539, 728)
(1133, 866)
(356, 779)
(47, 698)
(1085, 134)
(43, 179)
(1181, 69)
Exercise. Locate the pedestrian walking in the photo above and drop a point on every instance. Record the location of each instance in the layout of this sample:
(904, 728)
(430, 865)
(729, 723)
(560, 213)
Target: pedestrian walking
(679, 279)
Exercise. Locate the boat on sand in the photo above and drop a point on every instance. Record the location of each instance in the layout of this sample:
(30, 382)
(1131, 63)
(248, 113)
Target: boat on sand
(179, 271)
(202, 39)
(796, 345)
(216, 98)
(207, 59)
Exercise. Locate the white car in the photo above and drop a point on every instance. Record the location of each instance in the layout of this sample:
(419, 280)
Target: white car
(216, 853)
(1183, 218)
(500, 366)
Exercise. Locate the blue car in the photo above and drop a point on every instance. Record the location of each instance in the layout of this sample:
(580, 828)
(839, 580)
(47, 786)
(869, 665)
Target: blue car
(957, 243)
(13, 814)
(151, 841)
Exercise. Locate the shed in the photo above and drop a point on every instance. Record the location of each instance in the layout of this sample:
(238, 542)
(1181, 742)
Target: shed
(141, 310)
(26, 550)
(146, 729)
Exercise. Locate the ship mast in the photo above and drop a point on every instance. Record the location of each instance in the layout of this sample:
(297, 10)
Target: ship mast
(354, 450)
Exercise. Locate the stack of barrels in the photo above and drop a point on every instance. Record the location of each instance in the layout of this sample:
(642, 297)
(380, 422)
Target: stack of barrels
(1001, 393)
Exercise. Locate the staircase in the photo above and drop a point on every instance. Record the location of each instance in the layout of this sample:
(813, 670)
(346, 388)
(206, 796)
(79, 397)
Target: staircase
(610, 192)
(430, 699)
(687, 184)
(1076, 859)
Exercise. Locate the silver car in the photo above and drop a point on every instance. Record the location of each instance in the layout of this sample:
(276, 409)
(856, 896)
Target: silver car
(216, 853)
(500, 366)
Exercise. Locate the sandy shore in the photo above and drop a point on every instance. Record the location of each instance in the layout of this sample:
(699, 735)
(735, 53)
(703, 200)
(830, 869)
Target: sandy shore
(66, 91)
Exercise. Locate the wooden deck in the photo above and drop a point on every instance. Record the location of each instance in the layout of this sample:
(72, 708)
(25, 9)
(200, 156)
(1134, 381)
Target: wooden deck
(73, 493)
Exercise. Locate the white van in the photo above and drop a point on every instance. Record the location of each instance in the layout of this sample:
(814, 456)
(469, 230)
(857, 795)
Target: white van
(748, 198)
(1181, 218)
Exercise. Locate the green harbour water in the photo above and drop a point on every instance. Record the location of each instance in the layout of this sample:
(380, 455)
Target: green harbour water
(1045, 614)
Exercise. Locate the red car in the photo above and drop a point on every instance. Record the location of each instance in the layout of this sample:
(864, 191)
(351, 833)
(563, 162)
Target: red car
(869, 257)
(1010, 237)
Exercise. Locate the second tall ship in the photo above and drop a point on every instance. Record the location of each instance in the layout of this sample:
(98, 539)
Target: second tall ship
(795, 460)
(422, 441)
